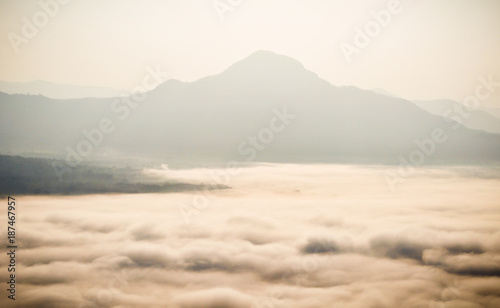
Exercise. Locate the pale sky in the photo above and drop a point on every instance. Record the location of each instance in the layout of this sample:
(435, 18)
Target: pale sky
(430, 49)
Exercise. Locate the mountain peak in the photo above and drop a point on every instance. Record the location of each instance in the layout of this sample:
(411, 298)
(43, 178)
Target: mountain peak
(266, 54)
(269, 59)
(267, 65)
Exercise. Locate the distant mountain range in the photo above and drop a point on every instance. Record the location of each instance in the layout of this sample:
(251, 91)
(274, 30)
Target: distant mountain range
(482, 118)
(213, 118)
(487, 119)
(58, 91)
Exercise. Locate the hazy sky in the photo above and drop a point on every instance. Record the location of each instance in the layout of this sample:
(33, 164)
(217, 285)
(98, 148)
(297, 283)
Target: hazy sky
(430, 49)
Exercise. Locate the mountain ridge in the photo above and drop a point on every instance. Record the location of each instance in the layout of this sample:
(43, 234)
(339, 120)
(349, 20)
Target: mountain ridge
(58, 91)
(212, 117)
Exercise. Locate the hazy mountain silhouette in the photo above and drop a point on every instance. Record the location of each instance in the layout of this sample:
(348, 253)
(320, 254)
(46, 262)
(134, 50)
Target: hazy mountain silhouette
(480, 118)
(57, 91)
(212, 117)
(385, 92)
(493, 111)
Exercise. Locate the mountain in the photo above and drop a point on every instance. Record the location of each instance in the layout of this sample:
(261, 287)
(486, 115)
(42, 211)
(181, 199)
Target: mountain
(480, 119)
(57, 91)
(493, 111)
(384, 92)
(212, 119)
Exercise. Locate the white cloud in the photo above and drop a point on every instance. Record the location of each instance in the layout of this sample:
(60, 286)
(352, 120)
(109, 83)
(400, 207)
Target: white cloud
(342, 238)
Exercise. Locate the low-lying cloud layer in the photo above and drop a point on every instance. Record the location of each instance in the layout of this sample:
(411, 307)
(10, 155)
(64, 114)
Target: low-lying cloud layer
(283, 236)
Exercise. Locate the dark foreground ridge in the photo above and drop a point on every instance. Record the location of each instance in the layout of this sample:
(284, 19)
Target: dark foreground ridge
(36, 176)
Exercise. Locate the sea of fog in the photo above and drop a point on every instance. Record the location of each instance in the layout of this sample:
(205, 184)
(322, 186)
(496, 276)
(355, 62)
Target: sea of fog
(281, 236)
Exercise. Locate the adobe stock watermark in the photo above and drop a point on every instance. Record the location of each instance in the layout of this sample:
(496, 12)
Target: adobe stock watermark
(31, 26)
(471, 103)
(372, 29)
(121, 107)
(454, 115)
(222, 7)
(249, 149)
